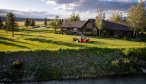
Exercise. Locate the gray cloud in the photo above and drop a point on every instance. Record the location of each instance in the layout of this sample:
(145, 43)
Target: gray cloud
(106, 5)
(86, 5)
(88, 8)
(27, 14)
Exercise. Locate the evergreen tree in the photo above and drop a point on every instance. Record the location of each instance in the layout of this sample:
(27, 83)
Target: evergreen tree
(1, 23)
(136, 18)
(32, 22)
(27, 22)
(10, 24)
(45, 21)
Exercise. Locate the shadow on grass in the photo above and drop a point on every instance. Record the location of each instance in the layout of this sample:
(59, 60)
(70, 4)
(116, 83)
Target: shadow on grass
(96, 42)
(55, 42)
(23, 35)
(7, 39)
(12, 44)
(140, 39)
(102, 43)
(40, 31)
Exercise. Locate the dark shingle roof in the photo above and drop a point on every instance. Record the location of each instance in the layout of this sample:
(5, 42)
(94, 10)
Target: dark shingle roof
(107, 25)
(113, 26)
(73, 24)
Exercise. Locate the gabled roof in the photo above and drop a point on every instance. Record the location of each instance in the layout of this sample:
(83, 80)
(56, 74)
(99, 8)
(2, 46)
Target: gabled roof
(73, 24)
(108, 25)
(113, 26)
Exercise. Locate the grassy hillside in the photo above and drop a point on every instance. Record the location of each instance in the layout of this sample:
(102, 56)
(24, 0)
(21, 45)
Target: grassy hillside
(43, 39)
(57, 57)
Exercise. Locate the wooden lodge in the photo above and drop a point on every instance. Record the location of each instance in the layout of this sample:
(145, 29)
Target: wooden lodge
(88, 27)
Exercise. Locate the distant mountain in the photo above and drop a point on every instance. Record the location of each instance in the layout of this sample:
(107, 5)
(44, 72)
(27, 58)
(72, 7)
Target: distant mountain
(20, 15)
(23, 19)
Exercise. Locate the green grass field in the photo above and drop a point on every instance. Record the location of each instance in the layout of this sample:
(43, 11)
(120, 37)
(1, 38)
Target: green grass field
(57, 57)
(44, 39)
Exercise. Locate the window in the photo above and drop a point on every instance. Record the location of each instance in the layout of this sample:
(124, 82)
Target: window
(75, 29)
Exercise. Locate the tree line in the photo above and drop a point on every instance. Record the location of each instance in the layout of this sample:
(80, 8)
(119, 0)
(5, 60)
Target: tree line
(10, 23)
(136, 19)
(29, 22)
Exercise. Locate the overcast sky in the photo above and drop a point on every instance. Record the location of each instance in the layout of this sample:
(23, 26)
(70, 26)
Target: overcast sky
(63, 8)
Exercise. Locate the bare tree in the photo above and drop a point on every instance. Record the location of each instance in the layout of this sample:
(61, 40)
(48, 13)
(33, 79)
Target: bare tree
(136, 18)
(99, 21)
(116, 16)
(74, 17)
(55, 23)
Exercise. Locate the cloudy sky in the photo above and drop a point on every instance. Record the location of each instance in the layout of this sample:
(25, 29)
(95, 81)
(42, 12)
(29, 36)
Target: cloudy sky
(63, 8)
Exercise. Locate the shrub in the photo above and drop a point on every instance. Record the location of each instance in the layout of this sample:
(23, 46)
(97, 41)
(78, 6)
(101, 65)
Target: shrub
(126, 60)
(143, 39)
(116, 36)
(124, 65)
(115, 62)
(125, 38)
(104, 33)
(89, 34)
(17, 64)
(139, 53)
(57, 32)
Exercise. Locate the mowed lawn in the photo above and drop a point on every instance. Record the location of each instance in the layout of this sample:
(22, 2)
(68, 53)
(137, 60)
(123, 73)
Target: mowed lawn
(44, 39)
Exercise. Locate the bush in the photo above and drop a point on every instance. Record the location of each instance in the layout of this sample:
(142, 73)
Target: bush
(17, 64)
(124, 66)
(89, 34)
(116, 36)
(104, 33)
(125, 38)
(139, 53)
